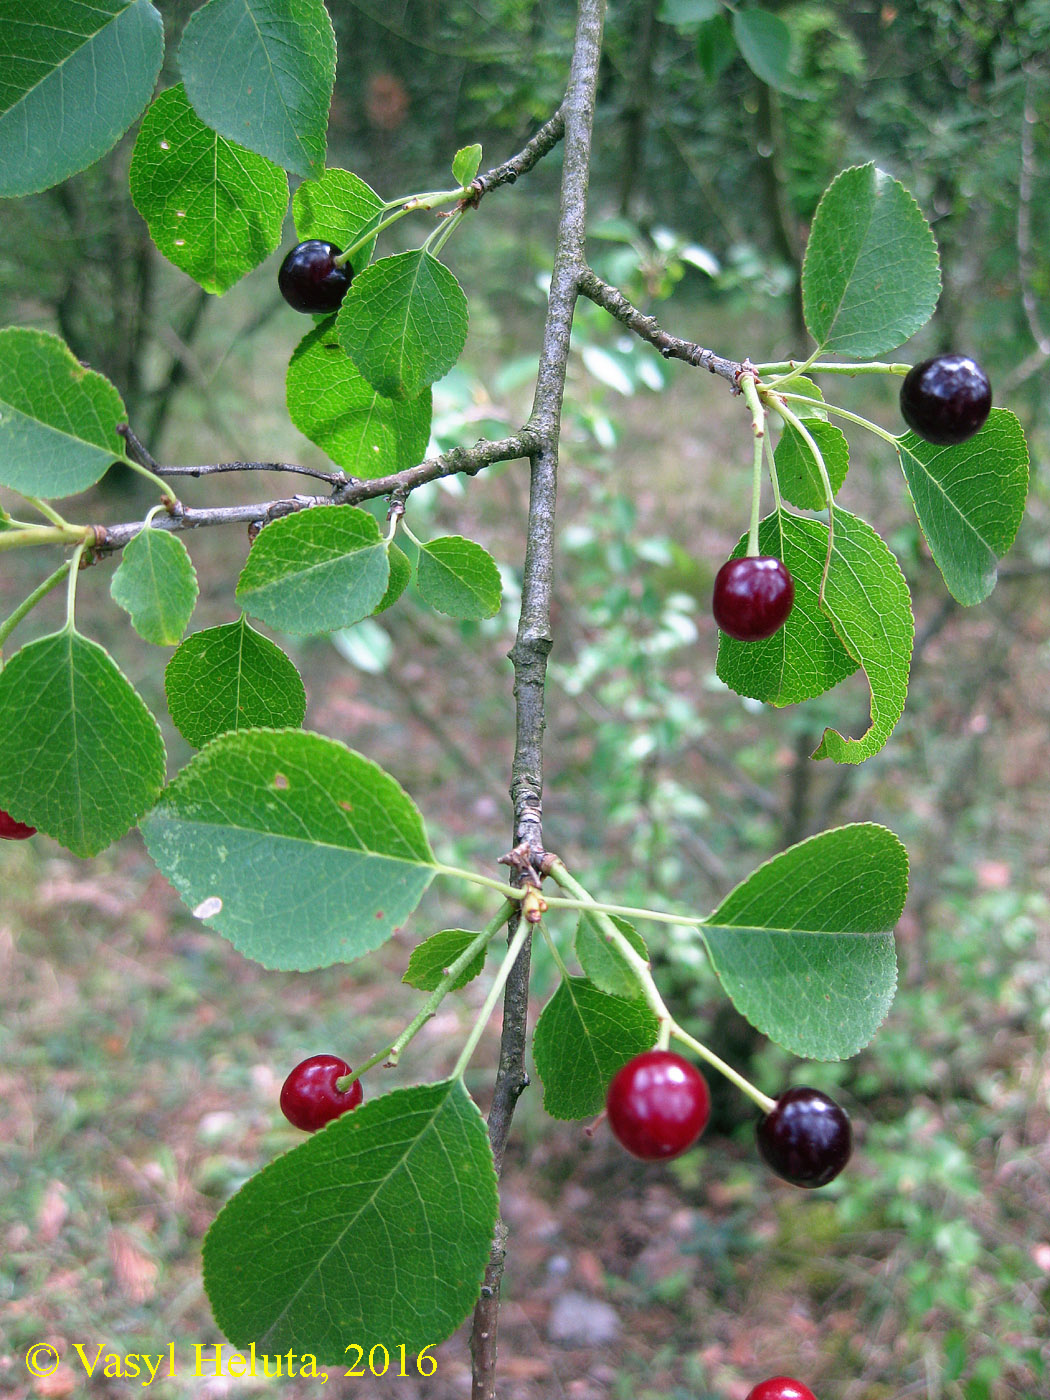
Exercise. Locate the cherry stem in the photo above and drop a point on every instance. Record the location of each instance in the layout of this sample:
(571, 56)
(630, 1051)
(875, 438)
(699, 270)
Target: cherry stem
(789, 369)
(430, 200)
(843, 413)
(777, 402)
(443, 233)
(668, 1025)
(518, 942)
(41, 591)
(391, 1053)
(758, 425)
(71, 595)
(31, 535)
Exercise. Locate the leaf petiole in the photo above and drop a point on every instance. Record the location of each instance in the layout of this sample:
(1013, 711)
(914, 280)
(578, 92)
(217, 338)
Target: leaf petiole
(41, 591)
(521, 934)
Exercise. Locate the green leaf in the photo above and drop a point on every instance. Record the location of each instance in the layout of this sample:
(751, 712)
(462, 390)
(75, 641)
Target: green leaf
(799, 384)
(231, 677)
(156, 585)
(765, 44)
(583, 1036)
(797, 472)
(213, 208)
(58, 420)
(377, 1227)
(332, 404)
(426, 966)
(73, 77)
(871, 276)
(316, 570)
(969, 500)
(715, 47)
(458, 577)
(805, 658)
(298, 850)
(465, 164)
(684, 13)
(81, 757)
(804, 946)
(261, 73)
(400, 577)
(603, 963)
(869, 604)
(403, 323)
(338, 207)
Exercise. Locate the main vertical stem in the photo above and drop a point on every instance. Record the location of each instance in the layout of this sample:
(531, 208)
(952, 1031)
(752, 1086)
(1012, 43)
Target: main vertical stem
(534, 639)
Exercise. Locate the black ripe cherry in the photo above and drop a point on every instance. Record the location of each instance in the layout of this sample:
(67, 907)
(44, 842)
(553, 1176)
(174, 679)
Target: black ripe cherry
(806, 1137)
(310, 1099)
(946, 400)
(781, 1388)
(310, 279)
(10, 830)
(753, 596)
(658, 1105)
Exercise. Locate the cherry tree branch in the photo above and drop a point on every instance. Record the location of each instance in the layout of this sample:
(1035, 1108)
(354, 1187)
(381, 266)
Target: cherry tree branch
(534, 637)
(548, 136)
(648, 329)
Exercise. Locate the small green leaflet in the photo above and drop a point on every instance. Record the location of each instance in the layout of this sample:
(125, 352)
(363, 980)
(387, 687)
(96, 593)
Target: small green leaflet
(73, 77)
(81, 757)
(804, 946)
(869, 604)
(337, 207)
(458, 577)
(426, 966)
(969, 500)
(805, 658)
(602, 962)
(583, 1036)
(400, 577)
(214, 209)
(156, 585)
(764, 41)
(378, 1226)
(58, 420)
(716, 47)
(871, 275)
(298, 850)
(231, 677)
(685, 13)
(403, 323)
(316, 570)
(261, 73)
(801, 385)
(797, 472)
(332, 404)
(465, 164)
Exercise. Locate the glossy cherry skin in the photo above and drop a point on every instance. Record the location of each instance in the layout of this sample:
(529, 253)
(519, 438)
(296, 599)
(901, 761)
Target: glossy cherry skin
(753, 596)
(309, 278)
(946, 400)
(658, 1105)
(806, 1137)
(309, 1098)
(781, 1388)
(10, 830)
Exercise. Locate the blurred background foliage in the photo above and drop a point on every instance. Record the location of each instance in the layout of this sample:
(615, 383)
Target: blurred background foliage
(141, 1057)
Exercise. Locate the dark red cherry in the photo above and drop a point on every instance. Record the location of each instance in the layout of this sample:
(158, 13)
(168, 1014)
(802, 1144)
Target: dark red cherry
(658, 1105)
(781, 1388)
(753, 596)
(946, 400)
(309, 278)
(10, 830)
(806, 1137)
(309, 1098)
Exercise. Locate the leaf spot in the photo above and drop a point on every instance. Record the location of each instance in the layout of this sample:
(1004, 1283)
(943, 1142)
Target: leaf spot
(280, 782)
(208, 908)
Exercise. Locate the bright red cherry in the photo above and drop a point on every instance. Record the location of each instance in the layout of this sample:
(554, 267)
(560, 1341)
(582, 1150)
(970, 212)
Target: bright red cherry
(309, 1098)
(658, 1105)
(309, 278)
(946, 400)
(10, 830)
(753, 596)
(781, 1388)
(806, 1137)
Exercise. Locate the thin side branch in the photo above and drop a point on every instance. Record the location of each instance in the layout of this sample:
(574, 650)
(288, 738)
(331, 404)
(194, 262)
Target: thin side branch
(548, 136)
(649, 329)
